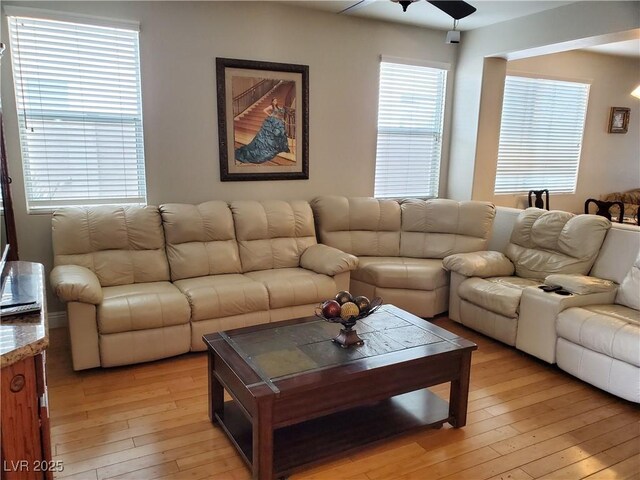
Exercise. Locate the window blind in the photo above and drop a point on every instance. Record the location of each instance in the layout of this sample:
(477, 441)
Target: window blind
(540, 135)
(410, 115)
(79, 112)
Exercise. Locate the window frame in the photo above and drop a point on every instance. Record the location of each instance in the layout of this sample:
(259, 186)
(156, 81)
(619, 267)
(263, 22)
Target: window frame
(523, 190)
(135, 122)
(445, 71)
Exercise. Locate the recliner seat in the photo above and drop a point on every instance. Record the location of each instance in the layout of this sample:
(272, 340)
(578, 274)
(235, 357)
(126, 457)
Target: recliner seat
(600, 343)
(489, 285)
(112, 269)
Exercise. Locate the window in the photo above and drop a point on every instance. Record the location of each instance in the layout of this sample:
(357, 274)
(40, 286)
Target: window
(79, 112)
(540, 135)
(410, 114)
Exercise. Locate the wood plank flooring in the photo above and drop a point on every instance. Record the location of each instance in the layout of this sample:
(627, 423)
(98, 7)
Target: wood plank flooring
(526, 420)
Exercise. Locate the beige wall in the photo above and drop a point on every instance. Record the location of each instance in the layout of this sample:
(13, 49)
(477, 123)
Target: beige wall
(179, 42)
(609, 162)
(560, 29)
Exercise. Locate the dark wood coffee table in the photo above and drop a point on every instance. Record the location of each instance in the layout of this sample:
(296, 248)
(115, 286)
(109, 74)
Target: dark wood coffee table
(299, 399)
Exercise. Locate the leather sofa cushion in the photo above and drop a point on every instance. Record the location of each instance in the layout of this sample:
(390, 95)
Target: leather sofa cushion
(201, 239)
(359, 225)
(289, 287)
(628, 315)
(629, 290)
(437, 228)
(543, 243)
(499, 295)
(401, 272)
(218, 296)
(120, 244)
(613, 330)
(620, 249)
(272, 234)
(141, 306)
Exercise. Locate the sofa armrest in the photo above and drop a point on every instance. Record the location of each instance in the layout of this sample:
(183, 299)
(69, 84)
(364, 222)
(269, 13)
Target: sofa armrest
(327, 260)
(479, 264)
(72, 283)
(580, 284)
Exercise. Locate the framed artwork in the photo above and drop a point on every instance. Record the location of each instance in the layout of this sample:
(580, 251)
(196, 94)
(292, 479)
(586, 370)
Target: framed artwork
(263, 120)
(619, 120)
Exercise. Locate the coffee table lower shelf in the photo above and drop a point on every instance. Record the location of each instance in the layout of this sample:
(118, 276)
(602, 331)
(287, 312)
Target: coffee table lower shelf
(338, 434)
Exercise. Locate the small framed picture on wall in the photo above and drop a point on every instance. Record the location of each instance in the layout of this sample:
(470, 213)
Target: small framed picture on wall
(619, 119)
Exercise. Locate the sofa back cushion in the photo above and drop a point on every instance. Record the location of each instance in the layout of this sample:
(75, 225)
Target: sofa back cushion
(620, 248)
(543, 242)
(201, 239)
(629, 290)
(273, 233)
(359, 225)
(120, 244)
(439, 227)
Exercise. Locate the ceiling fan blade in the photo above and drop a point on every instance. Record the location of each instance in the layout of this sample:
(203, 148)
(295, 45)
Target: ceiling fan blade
(455, 9)
(356, 6)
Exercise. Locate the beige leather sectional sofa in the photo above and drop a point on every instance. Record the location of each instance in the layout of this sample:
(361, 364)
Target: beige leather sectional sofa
(143, 283)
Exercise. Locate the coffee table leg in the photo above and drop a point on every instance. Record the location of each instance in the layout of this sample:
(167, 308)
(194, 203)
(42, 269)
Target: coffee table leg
(263, 441)
(459, 393)
(216, 391)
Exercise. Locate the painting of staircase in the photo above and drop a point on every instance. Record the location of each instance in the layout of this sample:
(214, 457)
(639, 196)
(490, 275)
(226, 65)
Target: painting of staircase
(248, 123)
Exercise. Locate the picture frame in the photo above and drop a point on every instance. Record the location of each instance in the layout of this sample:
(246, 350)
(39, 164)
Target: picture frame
(619, 119)
(263, 120)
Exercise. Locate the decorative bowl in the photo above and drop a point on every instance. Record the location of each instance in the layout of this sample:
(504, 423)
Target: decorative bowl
(348, 335)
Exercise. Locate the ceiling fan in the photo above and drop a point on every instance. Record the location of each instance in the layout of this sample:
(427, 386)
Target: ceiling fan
(455, 9)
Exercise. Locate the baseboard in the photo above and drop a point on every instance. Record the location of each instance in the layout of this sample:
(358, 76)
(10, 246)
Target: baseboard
(57, 319)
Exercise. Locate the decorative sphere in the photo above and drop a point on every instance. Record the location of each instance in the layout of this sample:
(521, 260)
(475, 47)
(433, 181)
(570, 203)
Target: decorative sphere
(343, 297)
(349, 310)
(331, 309)
(363, 303)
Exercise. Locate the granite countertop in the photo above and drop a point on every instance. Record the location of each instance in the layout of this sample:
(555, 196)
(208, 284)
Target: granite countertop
(26, 335)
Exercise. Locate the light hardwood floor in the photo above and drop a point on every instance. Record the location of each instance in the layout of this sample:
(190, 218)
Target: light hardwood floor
(526, 420)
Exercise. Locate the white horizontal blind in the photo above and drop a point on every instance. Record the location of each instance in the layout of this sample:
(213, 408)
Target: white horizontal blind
(80, 114)
(410, 115)
(541, 135)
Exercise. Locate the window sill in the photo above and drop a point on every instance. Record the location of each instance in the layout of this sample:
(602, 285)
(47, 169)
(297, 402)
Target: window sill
(51, 210)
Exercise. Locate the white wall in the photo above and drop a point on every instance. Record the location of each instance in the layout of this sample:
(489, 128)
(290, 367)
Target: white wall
(559, 29)
(179, 42)
(609, 162)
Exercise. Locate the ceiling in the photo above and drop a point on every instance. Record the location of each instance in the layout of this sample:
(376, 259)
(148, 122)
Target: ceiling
(424, 14)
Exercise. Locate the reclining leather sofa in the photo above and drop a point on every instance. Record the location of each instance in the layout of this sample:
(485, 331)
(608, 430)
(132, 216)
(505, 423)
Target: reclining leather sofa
(593, 333)
(487, 287)
(600, 343)
(400, 244)
(133, 296)
(592, 328)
